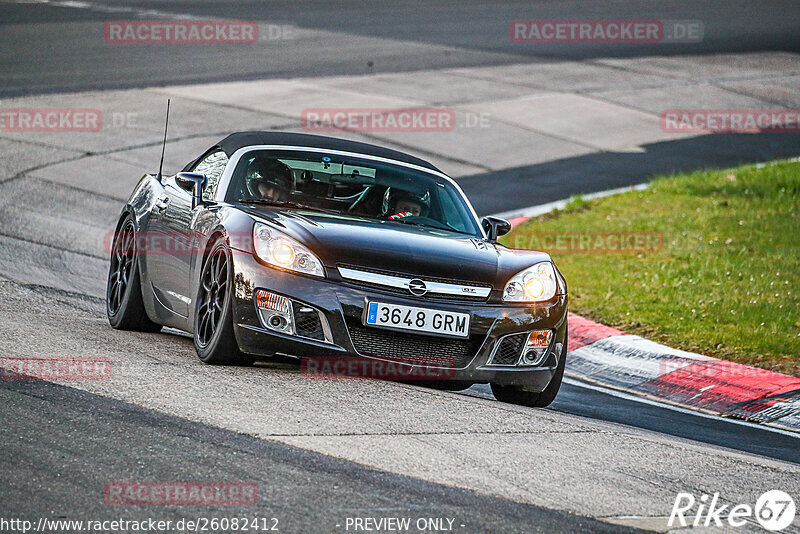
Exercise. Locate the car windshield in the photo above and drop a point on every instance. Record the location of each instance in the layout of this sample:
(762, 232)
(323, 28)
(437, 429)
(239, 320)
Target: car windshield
(351, 187)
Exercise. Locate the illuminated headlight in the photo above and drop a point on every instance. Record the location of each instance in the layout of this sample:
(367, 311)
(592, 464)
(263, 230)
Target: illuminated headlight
(534, 284)
(276, 248)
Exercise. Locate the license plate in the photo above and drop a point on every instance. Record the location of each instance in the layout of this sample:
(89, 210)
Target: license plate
(418, 320)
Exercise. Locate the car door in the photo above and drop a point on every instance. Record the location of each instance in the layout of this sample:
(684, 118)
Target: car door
(173, 221)
(171, 245)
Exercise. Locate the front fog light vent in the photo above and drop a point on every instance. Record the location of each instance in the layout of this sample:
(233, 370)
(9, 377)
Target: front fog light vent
(281, 314)
(275, 311)
(535, 349)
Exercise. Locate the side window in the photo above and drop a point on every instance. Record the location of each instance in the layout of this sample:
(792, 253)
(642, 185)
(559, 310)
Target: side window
(212, 166)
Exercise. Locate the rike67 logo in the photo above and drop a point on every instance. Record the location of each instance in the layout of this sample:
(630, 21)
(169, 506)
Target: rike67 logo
(775, 510)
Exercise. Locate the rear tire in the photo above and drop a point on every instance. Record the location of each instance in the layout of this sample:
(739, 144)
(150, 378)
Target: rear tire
(517, 395)
(214, 339)
(124, 303)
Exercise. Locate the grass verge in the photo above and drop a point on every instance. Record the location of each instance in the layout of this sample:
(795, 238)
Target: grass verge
(707, 262)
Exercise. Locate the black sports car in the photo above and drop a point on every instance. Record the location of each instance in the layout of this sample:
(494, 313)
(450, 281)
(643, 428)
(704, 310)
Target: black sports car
(323, 248)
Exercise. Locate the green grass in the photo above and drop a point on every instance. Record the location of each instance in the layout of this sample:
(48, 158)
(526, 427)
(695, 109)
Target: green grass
(726, 281)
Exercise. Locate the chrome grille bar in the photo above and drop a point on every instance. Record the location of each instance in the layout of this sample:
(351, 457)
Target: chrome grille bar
(402, 282)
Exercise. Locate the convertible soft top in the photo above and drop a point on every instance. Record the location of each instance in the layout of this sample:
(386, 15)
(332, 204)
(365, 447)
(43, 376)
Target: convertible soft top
(238, 140)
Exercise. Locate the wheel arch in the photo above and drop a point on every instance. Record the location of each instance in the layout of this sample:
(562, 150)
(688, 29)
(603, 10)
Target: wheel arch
(217, 233)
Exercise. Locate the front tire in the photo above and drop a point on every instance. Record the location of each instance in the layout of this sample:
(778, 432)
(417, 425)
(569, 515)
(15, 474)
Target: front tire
(518, 395)
(447, 385)
(124, 304)
(214, 339)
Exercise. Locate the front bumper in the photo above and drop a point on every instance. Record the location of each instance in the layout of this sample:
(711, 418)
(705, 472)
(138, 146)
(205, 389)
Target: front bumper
(342, 304)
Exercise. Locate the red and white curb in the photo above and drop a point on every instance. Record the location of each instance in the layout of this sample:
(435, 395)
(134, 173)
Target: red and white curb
(609, 357)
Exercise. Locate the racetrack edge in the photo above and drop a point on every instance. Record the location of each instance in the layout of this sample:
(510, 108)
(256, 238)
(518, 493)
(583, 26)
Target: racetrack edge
(606, 356)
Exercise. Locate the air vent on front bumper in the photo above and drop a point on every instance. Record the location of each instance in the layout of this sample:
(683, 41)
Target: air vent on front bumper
(527, 349)
(307, 323)
(412, 348)
(508, 350)
(286, 316)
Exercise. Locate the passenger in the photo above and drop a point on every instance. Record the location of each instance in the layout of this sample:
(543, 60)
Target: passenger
(398, 203)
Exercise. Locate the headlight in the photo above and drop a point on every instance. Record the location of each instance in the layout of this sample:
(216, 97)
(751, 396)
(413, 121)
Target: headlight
(278, 249)
(534, 284)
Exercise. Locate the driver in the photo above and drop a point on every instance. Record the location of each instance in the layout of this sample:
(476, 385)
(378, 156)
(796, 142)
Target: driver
(398, 203)
(269, 179)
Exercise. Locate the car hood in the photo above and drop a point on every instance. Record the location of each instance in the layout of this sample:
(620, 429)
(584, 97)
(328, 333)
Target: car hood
(395, 247)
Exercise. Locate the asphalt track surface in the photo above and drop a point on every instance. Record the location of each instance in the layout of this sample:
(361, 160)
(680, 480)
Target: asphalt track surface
(603, 404)
(63, 473)
(336, 38)
(60, 444)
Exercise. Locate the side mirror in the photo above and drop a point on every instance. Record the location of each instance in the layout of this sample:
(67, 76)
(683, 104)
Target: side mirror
(495, 227)
(194, 183)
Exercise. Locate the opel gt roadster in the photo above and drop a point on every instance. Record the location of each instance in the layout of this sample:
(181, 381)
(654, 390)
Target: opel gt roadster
(311, 246)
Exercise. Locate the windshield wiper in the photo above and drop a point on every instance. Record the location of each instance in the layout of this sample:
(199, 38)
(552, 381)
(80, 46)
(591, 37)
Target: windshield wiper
(285, 204)
(438, 226)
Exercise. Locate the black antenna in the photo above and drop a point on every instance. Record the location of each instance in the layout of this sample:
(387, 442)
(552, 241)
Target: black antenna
(164, 145)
